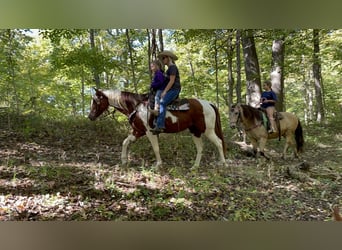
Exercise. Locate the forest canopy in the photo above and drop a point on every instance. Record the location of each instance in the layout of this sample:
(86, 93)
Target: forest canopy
(51, 72)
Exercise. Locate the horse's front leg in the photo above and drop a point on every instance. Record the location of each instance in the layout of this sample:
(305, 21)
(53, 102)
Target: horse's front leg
(155, 145)
(262, 144)
(125, 143)
(255, 147)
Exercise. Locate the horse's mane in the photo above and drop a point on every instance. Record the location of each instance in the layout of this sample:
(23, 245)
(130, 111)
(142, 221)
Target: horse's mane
(251, 113)
(124, 99)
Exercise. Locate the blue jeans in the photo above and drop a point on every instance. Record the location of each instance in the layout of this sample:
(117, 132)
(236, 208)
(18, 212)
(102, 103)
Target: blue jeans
(157, 97)
(166, 100)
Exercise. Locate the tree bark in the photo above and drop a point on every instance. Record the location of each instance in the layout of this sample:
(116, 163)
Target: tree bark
(252, 70)
(230, 51)
(238, 66)
(130, 51)
(307, 92)
(316, 68)
(93, 47)
(216, 72)
(149, 56)
(277, 72)
(154, 44)
(161, 40)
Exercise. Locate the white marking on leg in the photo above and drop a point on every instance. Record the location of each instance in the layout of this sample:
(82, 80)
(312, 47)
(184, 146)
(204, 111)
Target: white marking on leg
(217, 142)
(210, 122)
(155, 145)
(125, 143)
(199, 147)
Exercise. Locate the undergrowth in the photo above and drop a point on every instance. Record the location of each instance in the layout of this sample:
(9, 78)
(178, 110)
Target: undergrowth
(70, 170)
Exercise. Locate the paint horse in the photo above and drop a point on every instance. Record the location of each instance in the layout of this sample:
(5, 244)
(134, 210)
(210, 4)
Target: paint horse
(251, 120)
(202, 117)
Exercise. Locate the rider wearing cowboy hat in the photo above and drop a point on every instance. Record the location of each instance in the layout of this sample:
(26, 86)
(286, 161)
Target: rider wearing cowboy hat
(171, 90)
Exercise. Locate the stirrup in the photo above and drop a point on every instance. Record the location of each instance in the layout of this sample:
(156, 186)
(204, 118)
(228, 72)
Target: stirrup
(157, 131)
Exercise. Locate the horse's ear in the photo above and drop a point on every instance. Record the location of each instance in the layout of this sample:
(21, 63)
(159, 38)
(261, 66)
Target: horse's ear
(98, 91)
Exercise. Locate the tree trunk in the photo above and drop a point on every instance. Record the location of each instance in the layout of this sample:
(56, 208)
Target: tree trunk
(251, 68)
(277, 72)
(149, 53)
(316, 68)
(82, 90)
(130, 51)
(230, 51)
(153, 44)
(92, 45)
(216, 72)
(307, 92)
(238, 66)
(161, 40)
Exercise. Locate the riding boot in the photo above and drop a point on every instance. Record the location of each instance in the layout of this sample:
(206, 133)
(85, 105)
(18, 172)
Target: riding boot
(154, 112)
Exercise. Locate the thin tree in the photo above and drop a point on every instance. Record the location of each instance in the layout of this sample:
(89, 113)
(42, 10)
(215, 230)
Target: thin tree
(161, 39)
(238, 66)
(316, 68)
(230, 51)
(130, 51)
(216, 70)
(149, 52)
(93, 48)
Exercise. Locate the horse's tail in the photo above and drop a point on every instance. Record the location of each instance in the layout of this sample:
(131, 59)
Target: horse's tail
(299, 137)
(218, 129)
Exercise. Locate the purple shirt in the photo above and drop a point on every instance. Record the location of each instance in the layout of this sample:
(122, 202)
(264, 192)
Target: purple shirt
(158, 82)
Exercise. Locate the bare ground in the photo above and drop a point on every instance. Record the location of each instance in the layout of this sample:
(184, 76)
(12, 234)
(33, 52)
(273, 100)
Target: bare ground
(71, 171)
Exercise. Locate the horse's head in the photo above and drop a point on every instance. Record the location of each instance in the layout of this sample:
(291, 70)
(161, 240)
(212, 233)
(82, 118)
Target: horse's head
(234, 115)
(99, 104)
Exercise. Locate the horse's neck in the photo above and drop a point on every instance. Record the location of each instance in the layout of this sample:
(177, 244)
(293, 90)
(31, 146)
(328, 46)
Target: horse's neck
(248, 122)
(121, 102)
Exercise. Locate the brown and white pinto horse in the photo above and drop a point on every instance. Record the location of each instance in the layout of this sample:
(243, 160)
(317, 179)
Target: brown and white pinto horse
(202, 118)
(252, 122)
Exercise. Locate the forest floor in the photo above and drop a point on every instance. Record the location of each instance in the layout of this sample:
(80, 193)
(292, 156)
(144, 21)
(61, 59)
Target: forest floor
(70, 170)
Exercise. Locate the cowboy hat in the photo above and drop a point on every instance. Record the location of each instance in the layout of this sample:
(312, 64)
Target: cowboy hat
(167, 53)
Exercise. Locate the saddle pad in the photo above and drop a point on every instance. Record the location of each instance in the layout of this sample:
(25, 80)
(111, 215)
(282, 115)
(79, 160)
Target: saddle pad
(265, 120)
(179, 104)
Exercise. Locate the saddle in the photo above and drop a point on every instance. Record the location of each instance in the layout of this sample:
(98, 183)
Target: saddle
(266, 121)
(179, 104)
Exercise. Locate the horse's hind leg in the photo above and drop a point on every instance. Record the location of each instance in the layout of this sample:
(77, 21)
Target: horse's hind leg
(289, 142)
(211, 135)
(199, 148)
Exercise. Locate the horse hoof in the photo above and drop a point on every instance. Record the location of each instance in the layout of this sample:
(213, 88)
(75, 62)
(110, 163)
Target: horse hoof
(157, 166)
(194, 167)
